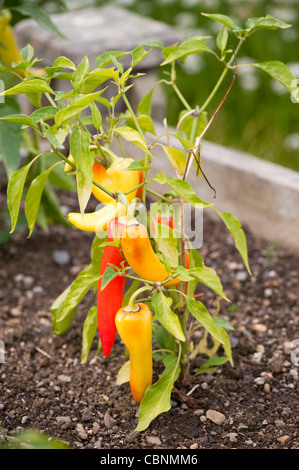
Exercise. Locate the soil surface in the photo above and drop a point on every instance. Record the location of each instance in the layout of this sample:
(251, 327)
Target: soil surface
(44, 386)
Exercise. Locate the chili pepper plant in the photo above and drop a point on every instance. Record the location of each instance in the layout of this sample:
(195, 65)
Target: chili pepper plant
(146, 273)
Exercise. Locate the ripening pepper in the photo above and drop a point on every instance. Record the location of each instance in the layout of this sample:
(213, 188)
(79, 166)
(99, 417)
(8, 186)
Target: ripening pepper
(124, 179)
(140, 255)
(97, 221)
(134, 326)
(109, 300)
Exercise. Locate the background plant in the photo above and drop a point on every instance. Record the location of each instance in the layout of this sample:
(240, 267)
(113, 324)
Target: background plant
(90, 123)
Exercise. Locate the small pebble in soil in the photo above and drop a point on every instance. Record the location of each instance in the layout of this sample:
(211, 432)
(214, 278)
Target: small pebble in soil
(61, 257)
(153, 440)
(215, 416)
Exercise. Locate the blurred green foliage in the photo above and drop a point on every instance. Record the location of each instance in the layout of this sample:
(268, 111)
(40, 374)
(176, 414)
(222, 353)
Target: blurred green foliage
(259, 116)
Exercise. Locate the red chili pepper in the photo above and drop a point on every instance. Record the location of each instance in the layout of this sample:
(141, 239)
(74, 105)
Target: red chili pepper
(162, 220)
(109, 300)
(139, 190)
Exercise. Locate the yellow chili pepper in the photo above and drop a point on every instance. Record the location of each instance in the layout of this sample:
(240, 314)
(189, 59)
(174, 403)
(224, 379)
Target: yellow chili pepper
(101, 176)
(140, 255)
(9, 50)
(135, 329)
(97, 221)
(124, 179)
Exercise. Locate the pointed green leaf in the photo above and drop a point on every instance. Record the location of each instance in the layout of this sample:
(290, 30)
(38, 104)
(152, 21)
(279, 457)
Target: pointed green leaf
(36, 85)
(238, 234)
(40, 16)
(34, 195)
(209, 278)
(20, 119)
(15, 190)
(224, 19)
(132, 136)
(162, 307)
(280, 72)
(88, 333)
(157, 397)
(265, 22)
(222, 38)
(79, 148)
(187, 47)
(123, 375)
(177, 158)
(78, 289)
(138, 55)
(186, 192)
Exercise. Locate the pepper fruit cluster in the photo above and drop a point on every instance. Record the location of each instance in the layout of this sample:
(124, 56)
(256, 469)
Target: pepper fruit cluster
(133, 323)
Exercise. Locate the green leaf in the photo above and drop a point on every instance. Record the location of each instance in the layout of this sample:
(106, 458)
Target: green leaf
(167, 242)
(132, 136)
(280, 72)
(95, 78)
(200, 312)
(80, 72)
(65, 115)
(88, 333)
(106, 58)
(41, 17)
(62, 327)
(123, 375)
(221, 39)
(77, 290)
(145, 104)
(162, 307)
(44, 113)
(209, 278)
(108, 275)
(265, 22)
(15, 190)
(10, 133)
(35, 85)
(96, 116)
(224, 19)
(210, 366)
(96, 253)
(187, 47)
(79, 148)
(34, 195)
(138, 55)
(186, 126)
(186, 192)
(60, 63)
(234, 226)
(222, 323)
(157, 397)
(160, 178)
(176, 157)
(20, 119)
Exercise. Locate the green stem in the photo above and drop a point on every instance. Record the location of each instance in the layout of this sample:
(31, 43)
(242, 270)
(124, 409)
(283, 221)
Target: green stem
(136, 187)
(131, 305)
(179, 94)
(221, 78)
(160, 196)
(50, 99)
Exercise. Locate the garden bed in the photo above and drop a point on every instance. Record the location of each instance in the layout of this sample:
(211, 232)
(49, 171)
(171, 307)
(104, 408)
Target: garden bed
(44, 386)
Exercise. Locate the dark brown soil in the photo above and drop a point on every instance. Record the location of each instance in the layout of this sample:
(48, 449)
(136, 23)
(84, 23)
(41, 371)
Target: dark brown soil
(43, 385)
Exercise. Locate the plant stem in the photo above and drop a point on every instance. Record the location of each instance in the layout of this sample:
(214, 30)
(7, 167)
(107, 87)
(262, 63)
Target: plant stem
(221, 78)
(160, 196)
(131, 305)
